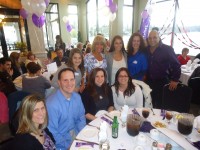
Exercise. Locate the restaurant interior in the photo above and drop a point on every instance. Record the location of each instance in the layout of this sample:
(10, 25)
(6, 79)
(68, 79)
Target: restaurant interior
(35, 30)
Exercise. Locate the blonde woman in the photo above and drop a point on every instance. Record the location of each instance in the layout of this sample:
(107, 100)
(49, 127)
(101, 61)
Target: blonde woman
(32, 132)
(96, 58)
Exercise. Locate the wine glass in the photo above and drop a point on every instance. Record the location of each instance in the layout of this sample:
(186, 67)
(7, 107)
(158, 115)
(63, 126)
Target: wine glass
(145, 113)
(168, 116)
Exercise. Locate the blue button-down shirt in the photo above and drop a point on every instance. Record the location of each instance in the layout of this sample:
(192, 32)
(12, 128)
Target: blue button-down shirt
(65, 116)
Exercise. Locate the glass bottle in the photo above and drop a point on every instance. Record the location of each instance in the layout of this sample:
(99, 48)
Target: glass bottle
(115, 126)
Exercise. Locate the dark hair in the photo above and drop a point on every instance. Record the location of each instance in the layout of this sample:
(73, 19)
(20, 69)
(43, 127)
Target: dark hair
(185, 50)
(91, 83)
(33, 67)
(3, 60)
(131, 87)
(130, 47)
(58, 37)
(70, 62)
(112, 48)
(63, 70)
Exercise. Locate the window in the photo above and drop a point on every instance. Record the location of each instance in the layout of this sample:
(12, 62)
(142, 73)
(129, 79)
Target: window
(97, 22)
(51, 27)
(73, 20)
(127, 23)
(179, 28)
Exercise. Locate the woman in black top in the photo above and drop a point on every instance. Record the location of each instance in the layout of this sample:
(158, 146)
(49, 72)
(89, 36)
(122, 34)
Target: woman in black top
(97, 94)
(32, 133)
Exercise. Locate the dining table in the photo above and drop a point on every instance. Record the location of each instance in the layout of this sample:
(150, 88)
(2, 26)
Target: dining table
(88, 137)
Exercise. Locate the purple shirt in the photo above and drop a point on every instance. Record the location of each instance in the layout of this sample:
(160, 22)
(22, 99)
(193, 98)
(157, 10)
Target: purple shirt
(163, 63)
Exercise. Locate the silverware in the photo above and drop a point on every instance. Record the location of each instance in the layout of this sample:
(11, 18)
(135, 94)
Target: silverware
(153, 111)
(87, 141)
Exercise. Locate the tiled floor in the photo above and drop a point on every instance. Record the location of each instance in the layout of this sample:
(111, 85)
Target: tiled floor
(5, 132)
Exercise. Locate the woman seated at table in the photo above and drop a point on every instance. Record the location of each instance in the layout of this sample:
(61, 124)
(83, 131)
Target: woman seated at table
(75, 61)
(32, 132)
(32, 58)
(125, 92)
(97, 95)
(34, 82)
(183, 59)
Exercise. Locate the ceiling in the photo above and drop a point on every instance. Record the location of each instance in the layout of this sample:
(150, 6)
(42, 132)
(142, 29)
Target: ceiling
(13, 4)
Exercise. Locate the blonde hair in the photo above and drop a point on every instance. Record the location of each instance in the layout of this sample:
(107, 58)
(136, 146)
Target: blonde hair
(98, 39)
(26, 124)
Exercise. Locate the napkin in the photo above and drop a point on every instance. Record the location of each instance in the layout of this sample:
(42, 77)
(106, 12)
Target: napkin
(188, 63)
(103, 132)
(79, 144)
(146, 127)
(196, 144)
(135, 112)
(106, 120)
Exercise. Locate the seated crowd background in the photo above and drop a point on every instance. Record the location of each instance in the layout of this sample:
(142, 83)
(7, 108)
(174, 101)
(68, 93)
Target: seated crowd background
(84, 84)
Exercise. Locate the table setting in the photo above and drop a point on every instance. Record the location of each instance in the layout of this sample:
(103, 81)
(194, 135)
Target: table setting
(144, 129)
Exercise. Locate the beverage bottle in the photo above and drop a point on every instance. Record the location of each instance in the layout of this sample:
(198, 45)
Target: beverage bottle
(115, 126)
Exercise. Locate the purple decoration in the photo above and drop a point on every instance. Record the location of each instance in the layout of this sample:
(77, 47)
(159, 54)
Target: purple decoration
(144, 27)
(69, 27)
(38, 21)
(47, 2)
(144, 14)
(113, 7)
(23, 13)
(108, 2)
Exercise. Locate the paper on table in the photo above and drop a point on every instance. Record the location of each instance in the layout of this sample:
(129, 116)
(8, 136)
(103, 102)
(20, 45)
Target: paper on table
(52, 67)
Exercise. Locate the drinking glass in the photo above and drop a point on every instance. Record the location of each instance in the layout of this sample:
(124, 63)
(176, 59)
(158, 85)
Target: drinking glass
(123, 118)
(134, 122)
(145, 113)
(185, 124)
(168, 116)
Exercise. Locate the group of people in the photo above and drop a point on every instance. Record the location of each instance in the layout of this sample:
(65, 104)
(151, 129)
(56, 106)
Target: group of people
(97, 81)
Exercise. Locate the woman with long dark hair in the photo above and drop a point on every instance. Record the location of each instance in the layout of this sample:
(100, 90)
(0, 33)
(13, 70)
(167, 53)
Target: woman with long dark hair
(97, 95)
(125, 92)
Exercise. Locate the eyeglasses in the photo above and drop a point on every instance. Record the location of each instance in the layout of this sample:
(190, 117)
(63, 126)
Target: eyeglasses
(122, 76)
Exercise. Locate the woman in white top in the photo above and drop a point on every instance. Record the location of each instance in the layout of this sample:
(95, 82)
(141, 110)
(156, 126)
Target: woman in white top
(75, 61)
(116, 58)
(125, 92)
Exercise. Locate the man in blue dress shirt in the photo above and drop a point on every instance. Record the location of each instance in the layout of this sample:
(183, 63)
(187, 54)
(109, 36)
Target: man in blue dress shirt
(163, 67)
(65, 110)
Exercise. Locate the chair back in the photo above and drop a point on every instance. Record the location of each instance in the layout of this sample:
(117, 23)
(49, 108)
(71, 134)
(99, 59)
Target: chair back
(194, 83)
(177, 100)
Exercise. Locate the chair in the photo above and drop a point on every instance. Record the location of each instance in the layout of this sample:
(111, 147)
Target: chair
(177, 100)
(194, 83)
(13, 99)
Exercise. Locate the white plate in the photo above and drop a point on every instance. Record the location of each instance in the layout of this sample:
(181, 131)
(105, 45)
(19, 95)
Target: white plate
(89, 132)
(114, 113)
(162, 123)
(85, 147)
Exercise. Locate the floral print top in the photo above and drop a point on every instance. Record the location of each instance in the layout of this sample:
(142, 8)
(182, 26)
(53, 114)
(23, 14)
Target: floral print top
(90, 62)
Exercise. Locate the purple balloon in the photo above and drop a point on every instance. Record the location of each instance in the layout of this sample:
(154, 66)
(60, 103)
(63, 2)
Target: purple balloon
(47, 2)
(38, 21)
(23, 13)
(113, 7)
(109, 2)
(69, 27)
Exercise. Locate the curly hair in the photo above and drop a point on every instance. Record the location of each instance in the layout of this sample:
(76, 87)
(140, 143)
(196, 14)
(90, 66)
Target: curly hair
(130, 47)
(98, 39)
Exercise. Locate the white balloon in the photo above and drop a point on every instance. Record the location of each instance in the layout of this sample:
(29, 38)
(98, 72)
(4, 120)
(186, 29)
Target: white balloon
(112, 17)
(105, 11)
(26, 4)
(38, 7)
(65, 19)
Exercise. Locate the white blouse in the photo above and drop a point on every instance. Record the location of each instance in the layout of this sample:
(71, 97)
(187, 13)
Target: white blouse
(133, 101)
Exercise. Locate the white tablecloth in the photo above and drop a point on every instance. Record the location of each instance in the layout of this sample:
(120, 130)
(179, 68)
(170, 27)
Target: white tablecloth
(124, 141)
(186, 73)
